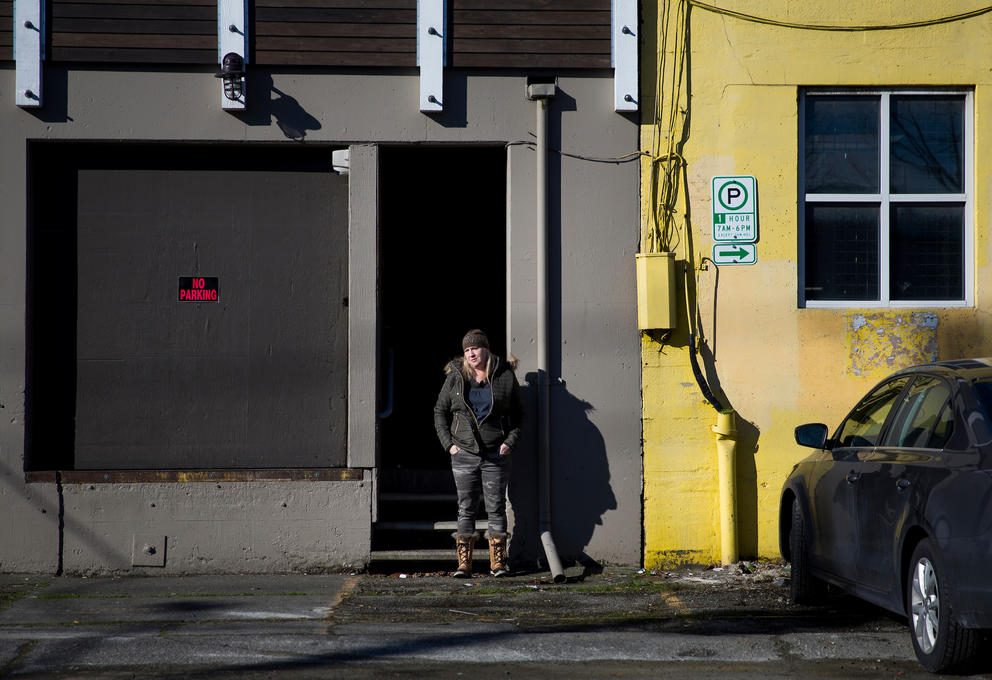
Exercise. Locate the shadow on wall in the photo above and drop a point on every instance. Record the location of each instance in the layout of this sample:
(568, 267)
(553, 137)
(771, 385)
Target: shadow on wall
(55, 96)
(581, 492)
(83, 540)
(748, 435)
(455, 111)
(266, 103)
(747, 488)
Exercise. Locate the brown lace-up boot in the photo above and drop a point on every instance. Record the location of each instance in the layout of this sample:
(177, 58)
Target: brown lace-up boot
(463, 547)
(499, 565)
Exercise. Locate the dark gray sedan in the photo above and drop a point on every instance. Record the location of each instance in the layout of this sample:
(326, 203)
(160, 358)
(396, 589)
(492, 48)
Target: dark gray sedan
(896, 507)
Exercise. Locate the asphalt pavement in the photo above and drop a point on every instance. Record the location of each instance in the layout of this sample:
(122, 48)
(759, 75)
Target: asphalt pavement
(602, 622)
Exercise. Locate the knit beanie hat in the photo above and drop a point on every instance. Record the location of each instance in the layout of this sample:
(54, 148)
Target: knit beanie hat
(475, 338)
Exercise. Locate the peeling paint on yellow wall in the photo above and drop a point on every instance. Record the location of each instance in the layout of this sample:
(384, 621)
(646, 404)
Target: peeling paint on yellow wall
(882, 342)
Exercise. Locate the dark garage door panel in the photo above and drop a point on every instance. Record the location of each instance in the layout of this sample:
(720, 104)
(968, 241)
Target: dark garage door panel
(124, 432)
(257, 379)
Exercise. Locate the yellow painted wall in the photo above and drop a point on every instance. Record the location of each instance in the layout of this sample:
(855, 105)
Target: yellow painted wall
(777, 364)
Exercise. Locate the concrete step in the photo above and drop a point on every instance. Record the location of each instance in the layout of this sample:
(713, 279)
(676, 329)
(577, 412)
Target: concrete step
(425, 555)
(440, 497)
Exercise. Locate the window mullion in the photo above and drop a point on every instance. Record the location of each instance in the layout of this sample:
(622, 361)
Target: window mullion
(928, 198)
(884, 188)
(843, 198)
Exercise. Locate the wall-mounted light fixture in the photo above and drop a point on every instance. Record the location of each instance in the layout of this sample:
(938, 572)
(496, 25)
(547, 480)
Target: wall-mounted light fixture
(232, 71)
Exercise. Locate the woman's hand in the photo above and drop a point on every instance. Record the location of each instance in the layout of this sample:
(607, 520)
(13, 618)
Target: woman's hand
(454, 449)
(504, 450)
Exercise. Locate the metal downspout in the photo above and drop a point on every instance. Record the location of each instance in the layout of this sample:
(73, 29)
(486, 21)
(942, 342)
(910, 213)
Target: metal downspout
(542, 93)
(726, 449)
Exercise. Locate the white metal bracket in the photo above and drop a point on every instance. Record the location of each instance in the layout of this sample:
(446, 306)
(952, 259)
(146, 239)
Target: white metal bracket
(232, 36)
(341, 161)
(625, 72)
(431, 52)
(29, 50)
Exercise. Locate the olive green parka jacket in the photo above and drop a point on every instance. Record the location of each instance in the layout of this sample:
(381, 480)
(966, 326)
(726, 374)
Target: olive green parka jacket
(456, 423)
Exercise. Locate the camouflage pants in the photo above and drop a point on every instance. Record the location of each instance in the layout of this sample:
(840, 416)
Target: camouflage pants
(481, 478)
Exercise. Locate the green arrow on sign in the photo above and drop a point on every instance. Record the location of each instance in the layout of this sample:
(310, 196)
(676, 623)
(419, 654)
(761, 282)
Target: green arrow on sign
(734, 252)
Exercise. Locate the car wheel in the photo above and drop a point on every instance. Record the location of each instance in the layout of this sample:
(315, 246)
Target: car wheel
(941, 644)
(804, 588)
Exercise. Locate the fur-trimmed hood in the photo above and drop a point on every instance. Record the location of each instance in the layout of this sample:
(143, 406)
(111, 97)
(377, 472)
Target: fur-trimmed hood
(456, 423)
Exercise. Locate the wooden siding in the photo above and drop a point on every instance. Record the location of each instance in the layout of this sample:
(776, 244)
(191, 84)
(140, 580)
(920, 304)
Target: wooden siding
(147, 31)
(543, 34)
(336, 33)
(6, 30)
(530, 33)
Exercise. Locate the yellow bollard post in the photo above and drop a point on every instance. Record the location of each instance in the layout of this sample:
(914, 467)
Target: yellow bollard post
(726, 450)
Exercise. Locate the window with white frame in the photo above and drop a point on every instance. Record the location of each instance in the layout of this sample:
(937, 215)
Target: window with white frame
(886, 193)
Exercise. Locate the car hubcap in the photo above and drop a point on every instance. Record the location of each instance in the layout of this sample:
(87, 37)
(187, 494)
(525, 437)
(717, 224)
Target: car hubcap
(925, 605)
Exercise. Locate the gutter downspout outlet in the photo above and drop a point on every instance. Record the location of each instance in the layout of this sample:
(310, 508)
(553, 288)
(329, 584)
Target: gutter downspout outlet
(726, 451)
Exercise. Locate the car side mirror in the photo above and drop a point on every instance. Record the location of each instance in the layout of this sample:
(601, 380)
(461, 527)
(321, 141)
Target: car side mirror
(813, 435)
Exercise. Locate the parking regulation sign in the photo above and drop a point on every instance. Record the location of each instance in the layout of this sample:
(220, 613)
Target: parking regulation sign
(735, 213)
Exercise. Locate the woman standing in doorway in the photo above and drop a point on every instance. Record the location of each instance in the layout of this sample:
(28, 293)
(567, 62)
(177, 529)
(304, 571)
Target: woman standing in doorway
(478, 417)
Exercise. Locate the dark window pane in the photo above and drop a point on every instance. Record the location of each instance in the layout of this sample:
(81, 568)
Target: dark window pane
(927, 145)
(927, 252)
(865, 422)
(981, 426)
(916, 422)
(842, 145)
(944, 428)
(841, 251)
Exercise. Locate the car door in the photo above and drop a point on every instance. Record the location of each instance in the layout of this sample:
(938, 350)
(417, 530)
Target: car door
(890, 482)
(834, 493)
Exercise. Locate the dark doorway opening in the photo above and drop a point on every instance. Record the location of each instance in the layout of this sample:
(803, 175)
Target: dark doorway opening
(442, 272)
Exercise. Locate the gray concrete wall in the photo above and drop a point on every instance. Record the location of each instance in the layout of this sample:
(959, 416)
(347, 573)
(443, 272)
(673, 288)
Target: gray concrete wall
(243, 526)
(227, 527)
